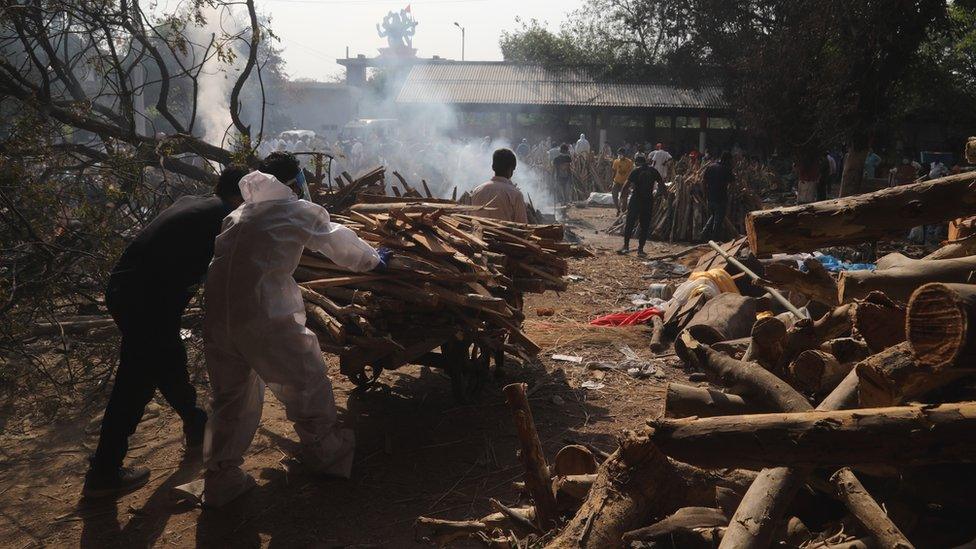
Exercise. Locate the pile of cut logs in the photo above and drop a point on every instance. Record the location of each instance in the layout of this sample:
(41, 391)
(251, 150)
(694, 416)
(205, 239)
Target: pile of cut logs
(459, 276)
(853, 428)
(682, 213)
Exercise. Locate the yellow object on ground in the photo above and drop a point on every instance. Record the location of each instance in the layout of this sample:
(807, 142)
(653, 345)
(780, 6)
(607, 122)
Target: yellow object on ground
(720, 277)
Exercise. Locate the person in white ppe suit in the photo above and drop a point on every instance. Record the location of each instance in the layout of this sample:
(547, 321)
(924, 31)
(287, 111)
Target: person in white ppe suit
(582, 145)
(254, 329)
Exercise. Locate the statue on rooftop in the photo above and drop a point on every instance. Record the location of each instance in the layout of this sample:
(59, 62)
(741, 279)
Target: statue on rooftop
(398, 28)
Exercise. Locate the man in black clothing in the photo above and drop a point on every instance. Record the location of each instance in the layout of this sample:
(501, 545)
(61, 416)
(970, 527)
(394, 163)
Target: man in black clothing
(717, 179)
(563, 173)
(641, 185)
(147, 292)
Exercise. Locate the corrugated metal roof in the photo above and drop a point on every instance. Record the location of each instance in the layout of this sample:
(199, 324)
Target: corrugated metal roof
(487, 83)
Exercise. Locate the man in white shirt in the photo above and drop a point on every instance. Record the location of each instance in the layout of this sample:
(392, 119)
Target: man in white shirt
(660, 160)
(499, 193)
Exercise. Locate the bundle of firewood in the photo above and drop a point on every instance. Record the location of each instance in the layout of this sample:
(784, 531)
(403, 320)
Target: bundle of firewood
(681, 214)
(454, 277)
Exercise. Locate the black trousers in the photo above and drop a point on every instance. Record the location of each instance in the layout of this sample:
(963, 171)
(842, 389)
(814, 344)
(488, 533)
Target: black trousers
(823, 188)
(638, 211)
(152, 356)
(714, 228)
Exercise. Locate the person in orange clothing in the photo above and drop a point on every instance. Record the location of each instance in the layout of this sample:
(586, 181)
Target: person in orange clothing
(622, 166)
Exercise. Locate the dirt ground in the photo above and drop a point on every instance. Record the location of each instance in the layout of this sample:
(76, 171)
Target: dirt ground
(418, 452)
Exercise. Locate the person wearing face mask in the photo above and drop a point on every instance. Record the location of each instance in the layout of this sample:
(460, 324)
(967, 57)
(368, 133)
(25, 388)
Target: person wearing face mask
(254, 328)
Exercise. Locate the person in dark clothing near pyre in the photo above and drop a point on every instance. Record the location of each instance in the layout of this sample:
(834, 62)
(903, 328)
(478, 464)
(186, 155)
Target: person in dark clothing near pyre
(717, 178)
(640, 184)
(148, 290)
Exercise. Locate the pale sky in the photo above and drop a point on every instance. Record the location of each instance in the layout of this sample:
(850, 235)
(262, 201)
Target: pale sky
(314, 33)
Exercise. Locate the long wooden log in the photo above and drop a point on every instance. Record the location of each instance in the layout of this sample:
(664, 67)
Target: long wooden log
(726, 316)
(867, 511)
(635, 484)
(815, 283)
(898, 283)
(956, 248)
(684, 520)
(745, 378)
(862, 218)
(764, 505)
(685, 400)
(941, 324)
(906, 435)
(894, 376)
(754, 522)
(537, 477)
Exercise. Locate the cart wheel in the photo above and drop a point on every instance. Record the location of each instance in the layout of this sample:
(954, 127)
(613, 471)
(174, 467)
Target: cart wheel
(468, 365)
(366, 377)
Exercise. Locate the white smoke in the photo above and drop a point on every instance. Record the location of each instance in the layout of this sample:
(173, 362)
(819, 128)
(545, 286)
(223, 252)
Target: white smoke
(219, 72)
(426, 144)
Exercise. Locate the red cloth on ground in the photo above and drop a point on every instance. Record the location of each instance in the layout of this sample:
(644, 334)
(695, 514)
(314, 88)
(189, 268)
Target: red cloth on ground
(626, 319)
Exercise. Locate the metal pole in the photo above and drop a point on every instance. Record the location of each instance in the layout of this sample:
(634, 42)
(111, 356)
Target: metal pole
(458, 25)
(772, 291)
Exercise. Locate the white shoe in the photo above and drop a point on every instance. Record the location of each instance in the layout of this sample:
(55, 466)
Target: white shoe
(333, 456)
(222, 486)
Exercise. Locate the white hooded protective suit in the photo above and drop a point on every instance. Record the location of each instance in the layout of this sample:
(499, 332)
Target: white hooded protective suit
(582, 145)
(255, 333)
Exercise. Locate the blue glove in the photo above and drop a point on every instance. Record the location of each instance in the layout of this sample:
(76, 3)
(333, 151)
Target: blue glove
(386, 255)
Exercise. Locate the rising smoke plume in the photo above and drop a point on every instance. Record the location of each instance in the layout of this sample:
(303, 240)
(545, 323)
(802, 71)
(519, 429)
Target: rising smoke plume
(219, 71)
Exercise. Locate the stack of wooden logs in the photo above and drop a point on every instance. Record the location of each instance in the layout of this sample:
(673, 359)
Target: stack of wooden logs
(457, 275)
(850, 429)
(592, 173)
(682, 213)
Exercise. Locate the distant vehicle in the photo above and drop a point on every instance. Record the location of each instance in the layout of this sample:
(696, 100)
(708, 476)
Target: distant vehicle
(297, 134)
(363, 127)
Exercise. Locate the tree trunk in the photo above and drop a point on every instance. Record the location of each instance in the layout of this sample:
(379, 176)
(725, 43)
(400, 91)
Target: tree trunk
(852, 180)
(894, 376)
(685, 401)
(898, 283)
(816, 372)
(867, 511)
(908, 435)
(863, 218)
(635, 485)
(762, 508)
(957, 248)
(815, 283)
(941, 324)
(807, 334)
(726, 316)
(747, 378)
(847, 349)
(880, 321)
(766, 347)
(537, 478)
(683, 521)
